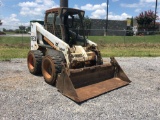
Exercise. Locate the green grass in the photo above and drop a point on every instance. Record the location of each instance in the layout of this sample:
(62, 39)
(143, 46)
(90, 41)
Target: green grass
(128, 46)
(14, 47)
(125, 39)
(118, 46)
(7, 53)
(130, 51)
(14, 40)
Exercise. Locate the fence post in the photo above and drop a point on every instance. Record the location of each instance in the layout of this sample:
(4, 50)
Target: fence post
(22, 36)
(124, 36)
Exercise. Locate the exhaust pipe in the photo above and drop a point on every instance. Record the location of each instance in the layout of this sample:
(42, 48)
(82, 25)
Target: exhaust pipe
(64, 3)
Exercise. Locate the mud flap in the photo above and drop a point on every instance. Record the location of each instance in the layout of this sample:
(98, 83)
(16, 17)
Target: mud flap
(85, 83)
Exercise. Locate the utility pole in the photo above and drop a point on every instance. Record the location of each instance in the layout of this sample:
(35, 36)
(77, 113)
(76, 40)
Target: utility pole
(0, 14)
(107, 17)
(0, 22)
(155, 14)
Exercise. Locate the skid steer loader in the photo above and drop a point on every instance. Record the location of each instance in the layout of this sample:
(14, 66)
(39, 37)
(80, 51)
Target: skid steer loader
(68, 60)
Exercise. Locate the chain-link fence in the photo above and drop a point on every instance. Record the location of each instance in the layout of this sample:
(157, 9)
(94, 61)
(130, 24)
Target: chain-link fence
(96, 35)
(123, 36)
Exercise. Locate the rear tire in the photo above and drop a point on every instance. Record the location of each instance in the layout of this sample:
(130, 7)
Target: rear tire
(34, 60)
(51, 66)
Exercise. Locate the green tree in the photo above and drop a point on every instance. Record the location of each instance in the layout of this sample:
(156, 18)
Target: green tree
(4, 30)
(22, 27)
(28, 29)
(132, 22)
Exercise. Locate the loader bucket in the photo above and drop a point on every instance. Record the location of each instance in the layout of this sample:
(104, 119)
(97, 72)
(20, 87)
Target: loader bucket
(85, 83)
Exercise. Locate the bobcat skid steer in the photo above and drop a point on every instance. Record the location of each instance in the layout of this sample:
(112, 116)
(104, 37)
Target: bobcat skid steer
(69, 61)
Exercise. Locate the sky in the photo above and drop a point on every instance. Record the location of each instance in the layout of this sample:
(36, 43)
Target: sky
(19, 12)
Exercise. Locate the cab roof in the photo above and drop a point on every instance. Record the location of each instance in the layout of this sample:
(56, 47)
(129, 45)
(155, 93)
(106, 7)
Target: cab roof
(59, 9)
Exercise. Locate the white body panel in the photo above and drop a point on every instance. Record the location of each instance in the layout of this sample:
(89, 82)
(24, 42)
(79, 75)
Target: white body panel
(34, 45)
(37, 30)
(37, 34)
(91, 43)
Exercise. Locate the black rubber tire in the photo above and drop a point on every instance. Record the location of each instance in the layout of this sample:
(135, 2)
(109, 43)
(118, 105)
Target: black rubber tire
(34, 61)
(93, 62)
(51, 66)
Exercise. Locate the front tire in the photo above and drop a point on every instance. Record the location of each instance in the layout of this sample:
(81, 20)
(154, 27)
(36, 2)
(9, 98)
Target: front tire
(51, 66)
(34, 60)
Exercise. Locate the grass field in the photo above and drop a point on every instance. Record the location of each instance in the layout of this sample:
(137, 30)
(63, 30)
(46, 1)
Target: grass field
(14, 47)
(14, 40)
(118, 46)
(128, 46)
(125, 39)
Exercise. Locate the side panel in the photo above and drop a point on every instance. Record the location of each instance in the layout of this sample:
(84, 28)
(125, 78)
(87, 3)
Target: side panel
(91, 43)
(34, 45)
(59, 45)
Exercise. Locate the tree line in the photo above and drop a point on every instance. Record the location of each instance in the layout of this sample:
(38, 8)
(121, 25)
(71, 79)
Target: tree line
(21, 29)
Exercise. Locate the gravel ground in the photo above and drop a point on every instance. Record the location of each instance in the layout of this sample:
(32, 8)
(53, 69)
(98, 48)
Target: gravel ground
(24, 96)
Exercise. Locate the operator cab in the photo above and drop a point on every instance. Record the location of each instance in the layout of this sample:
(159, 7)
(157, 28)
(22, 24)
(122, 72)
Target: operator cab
(66, 24)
